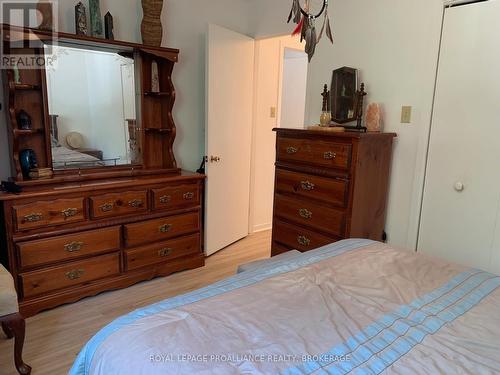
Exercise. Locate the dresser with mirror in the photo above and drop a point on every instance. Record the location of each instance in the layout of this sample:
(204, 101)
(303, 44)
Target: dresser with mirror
(103, 203)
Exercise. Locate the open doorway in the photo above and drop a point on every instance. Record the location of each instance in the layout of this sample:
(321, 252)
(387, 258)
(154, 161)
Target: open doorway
(293, 89)
(279, 101)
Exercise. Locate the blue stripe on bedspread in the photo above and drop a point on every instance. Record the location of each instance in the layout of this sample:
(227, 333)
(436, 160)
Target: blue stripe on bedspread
(382, 343)
(84, 359)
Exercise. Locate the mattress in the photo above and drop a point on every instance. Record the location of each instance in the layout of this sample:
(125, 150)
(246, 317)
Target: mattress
(354, 307)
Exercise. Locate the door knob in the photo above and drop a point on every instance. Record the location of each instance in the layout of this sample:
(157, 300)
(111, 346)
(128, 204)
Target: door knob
(459, 186)
(214, 159)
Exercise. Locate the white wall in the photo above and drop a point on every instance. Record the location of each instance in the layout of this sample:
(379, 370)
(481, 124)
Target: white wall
(293, 92)
(394, 43)
(269, 57)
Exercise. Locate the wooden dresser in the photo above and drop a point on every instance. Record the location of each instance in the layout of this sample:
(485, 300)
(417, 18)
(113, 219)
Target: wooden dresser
(329, 186)
(67, 242)
(94, 226)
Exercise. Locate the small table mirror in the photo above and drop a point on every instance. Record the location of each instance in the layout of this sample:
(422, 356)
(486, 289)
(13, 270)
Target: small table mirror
(344, 95)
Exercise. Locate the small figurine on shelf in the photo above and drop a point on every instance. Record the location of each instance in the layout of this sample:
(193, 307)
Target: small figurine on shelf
(155, 77)
(326, 116)
(17, 75)
(24, 120)
(95, 18)
(108, 26)
(81, 19)
(27, 159)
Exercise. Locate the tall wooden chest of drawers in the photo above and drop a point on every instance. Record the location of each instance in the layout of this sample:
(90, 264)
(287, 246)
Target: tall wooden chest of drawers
(329, 186)
(74, 240)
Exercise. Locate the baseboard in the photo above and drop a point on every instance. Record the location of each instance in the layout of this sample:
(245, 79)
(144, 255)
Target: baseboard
(262, 227)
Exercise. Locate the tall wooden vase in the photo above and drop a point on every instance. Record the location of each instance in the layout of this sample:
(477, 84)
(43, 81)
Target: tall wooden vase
(151, 28)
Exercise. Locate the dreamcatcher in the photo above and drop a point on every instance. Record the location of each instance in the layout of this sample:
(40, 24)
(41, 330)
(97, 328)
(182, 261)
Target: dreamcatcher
(305, 13)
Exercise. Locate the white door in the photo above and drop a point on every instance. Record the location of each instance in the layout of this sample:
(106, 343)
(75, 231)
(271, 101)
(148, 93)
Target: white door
(460, 218)
(230, 70)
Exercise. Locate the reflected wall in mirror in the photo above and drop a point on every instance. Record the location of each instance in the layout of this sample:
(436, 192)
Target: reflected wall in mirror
(91, 102)
(344, 95)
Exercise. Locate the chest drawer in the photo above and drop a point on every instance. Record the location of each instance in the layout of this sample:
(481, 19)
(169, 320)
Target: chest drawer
(304, 212)
(317, 152)
(39, 252)
(71, 274)
(334, 191)
(161, 229)
(162, 252)
(298, 238)
(47, 213)
(176, 196)
(116, 204)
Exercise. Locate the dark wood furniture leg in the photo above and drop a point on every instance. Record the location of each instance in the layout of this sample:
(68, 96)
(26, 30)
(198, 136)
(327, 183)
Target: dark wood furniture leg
(14, 327)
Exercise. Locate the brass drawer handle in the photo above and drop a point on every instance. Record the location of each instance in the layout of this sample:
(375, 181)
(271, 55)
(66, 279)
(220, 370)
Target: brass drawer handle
(292, 150)
(165, 252)
(33, 218)
(303, 240)
(75, 274)
(306, 185)
(165, 228)
(188, 196)
(69, 212)
(305, 213)
(73, 247)
(136, 203)
(165, 199)
(330, 155)
(107, 207)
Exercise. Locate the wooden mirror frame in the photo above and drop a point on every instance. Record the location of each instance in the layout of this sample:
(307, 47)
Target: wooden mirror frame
(156, 126)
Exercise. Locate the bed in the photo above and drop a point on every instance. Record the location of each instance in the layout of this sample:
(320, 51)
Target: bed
(64, 157)
(353, 307)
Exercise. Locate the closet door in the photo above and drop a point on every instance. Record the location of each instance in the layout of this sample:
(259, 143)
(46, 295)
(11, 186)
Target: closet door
(460, 218)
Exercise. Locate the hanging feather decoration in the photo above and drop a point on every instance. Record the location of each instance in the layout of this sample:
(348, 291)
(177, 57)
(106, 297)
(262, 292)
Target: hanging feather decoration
(306, 25)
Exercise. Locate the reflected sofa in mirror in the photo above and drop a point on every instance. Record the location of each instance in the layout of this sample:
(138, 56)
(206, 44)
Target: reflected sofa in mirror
(344, 95)
(92, 109)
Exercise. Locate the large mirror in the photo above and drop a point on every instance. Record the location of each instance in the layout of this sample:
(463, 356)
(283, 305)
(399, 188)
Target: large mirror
(91, 102)
(344, 95)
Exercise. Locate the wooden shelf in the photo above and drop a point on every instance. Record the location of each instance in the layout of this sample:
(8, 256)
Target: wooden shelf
(25, 86)
(156, 94)
(158, 130)
(19, 132)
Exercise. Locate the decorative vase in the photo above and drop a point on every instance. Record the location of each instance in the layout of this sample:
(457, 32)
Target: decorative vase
(27, 159)
(151, 28)
(45, 16)
(95, 18)
(155, 77)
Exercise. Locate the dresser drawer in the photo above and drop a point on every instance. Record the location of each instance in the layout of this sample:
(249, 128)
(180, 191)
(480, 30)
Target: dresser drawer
(317, 152)
(303, 212)
(298, 238)
(47, 213)
(161, 229)
(176, 196)
(115, 204)
(39, 252)
(162, 252)
(331, 190)
(71, 274)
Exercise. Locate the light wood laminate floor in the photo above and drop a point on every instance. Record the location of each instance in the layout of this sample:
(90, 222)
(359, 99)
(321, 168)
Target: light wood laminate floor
(55, 337)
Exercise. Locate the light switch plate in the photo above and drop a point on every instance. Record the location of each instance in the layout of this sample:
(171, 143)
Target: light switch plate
(273, 112)
(406, 114)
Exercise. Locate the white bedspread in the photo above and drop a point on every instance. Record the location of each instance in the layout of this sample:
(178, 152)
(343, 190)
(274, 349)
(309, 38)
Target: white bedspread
(355, 307)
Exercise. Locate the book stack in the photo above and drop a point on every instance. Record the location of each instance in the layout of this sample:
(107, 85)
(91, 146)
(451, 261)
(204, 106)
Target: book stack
(41, 173)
